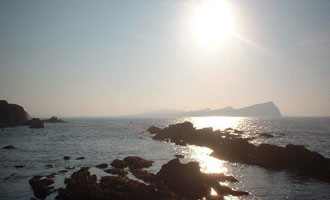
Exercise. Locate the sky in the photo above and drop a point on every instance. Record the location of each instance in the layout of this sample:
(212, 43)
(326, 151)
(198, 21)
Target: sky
(106, 58)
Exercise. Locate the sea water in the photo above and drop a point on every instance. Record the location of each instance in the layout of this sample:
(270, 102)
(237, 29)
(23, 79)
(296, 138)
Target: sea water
(101, 140)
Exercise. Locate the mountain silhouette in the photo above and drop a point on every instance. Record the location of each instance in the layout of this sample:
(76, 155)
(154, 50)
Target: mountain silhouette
(267, 109)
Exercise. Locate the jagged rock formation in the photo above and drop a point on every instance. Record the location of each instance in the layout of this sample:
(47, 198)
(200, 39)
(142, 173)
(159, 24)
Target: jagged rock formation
(53, 120)
(174, 181)
(295, 158)
(12, 115)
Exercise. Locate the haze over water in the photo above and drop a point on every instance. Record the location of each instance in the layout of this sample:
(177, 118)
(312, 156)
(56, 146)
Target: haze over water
(110, 58)
(104, 139)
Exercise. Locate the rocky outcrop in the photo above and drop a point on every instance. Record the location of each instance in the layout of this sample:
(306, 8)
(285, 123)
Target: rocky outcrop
(188, 181)
(41, 186)
(9, 147)
(12, 115)
(295, 158)
(53, 120)
(36, 123)
(175, 181)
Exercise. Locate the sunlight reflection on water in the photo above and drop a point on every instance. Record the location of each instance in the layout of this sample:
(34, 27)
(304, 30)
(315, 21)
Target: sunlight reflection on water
(216, 122)
(207, 163)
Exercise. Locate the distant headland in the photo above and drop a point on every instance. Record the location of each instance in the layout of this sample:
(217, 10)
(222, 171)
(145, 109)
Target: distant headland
(14, 115)
(267, 109)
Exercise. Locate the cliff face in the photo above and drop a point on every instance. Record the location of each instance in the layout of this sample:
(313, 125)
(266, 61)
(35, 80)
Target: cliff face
(12, 114)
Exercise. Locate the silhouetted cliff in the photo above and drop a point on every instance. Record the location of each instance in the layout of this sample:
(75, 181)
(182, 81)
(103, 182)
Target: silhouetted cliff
(12, 114)
(268, 109)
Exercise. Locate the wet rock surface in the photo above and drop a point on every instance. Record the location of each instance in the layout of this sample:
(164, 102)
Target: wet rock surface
(119, 163)
(41, 186)
(188, 181)
(117, 171)
(266, 135)
(9, 147)
(294, 158)
(66, 158)
(102, 166)
(174, 181)
(135, 162)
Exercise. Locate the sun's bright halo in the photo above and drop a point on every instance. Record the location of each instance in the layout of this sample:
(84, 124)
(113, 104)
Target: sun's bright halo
(212, 22)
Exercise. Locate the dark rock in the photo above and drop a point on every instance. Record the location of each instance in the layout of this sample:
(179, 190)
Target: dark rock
(135, 162)
(153, 130)
(53, 120)
(52, 175)
(11, 175)
(66, 158)
(12, 115)
(9, 147)
(50, 165)
(83, 186)
(179, 156)
(63, 171)
(41, 186)
(220, 177)
(188, 181)
(19, 166)
(80, 158)
(119, 163)
(144, 175)
(118, 171)
(36, 123)
(69, 167)
(294, 158)
(102, 166)
(238, 131)
(267, 135)
(224, 190)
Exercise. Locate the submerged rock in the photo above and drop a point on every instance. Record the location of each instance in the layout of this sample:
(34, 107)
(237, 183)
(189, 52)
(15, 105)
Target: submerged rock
(80, 158)
(66, 158)
(9, 147)
(267, 135)
(19, 166)
(102, 166)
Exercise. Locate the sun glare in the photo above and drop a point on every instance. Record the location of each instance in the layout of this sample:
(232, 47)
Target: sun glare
(212, 22)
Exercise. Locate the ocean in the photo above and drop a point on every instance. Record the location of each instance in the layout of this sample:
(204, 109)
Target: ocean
(101, 140)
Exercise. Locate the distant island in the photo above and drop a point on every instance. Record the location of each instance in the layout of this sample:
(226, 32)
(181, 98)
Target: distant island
(267, 109)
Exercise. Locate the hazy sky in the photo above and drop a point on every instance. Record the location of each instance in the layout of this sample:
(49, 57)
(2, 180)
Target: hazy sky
(91, 58)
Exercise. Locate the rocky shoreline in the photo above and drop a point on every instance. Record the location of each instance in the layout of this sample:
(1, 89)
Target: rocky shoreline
(231, 147)
(12, 115)
(175, 181)
(128, 178)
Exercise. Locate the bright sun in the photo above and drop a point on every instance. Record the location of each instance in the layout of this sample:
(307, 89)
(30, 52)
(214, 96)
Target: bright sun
(212, 22)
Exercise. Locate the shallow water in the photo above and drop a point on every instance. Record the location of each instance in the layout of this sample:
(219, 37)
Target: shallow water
(101, 140)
